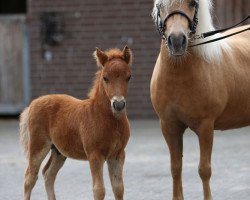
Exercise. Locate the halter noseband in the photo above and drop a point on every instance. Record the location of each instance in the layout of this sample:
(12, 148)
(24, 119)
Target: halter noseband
(161, 25)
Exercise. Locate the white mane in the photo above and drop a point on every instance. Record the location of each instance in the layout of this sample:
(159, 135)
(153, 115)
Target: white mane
(209, 52)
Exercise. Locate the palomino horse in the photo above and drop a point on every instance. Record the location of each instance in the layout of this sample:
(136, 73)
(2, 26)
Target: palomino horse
(204, 88)
(95, 129)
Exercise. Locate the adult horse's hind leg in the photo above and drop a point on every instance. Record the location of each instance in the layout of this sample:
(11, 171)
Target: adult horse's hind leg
(205, 134)
(50, 171)
(173, 134)
(37, 153)
(115, 167)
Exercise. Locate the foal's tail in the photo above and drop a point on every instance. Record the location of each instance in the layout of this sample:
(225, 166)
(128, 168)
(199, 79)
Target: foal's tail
(24, 130)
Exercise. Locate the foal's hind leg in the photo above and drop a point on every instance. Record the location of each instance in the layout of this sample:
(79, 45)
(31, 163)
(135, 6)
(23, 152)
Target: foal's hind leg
(37, 153)
(115, 167)
(50, 171)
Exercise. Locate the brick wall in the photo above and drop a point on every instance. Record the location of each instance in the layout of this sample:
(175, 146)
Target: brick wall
(90, 24)
(103, 24)
(229, 12)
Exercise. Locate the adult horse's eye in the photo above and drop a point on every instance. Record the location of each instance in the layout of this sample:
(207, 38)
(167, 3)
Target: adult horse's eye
(193, 3)
(129, 78)
(105, 79)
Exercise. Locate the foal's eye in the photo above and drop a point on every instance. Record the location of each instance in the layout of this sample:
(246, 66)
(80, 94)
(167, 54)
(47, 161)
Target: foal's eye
(193, 3)
(129, 78)
(105, 79)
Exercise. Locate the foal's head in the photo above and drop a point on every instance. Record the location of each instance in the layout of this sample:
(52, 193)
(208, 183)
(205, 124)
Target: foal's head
(115, 75)
(176, 20)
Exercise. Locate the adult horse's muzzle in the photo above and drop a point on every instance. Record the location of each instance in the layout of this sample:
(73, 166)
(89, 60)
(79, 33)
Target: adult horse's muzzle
(177, 44)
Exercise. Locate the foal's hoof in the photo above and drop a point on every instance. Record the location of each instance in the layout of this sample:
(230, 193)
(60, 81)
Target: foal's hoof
(178, 198)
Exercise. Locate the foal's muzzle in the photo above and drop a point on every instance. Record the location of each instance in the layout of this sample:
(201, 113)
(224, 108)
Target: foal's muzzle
(177, 44)
(118, 104)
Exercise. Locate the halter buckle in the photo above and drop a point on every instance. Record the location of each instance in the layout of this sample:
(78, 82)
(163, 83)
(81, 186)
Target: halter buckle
(201, 36)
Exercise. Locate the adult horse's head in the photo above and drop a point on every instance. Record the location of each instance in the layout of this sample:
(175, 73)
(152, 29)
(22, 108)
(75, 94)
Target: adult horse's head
(176, 21)
(115, 75)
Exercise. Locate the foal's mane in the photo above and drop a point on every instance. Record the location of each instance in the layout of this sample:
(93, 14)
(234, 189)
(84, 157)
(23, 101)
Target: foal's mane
(209, 52)
(112, 54)
(96, 82)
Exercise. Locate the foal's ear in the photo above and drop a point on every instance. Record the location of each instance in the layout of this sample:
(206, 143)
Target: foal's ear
(100, 57)
(127, 55)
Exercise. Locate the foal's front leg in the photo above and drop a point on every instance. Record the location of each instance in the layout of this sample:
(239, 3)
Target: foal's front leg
(115, 167)
(96, 162)
(173, 133)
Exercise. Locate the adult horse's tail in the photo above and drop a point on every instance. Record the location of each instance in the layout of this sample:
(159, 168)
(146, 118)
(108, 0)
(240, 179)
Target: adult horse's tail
(24, 130)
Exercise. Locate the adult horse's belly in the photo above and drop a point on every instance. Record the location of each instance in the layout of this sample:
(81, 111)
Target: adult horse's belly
(232, 123)
(233, 118)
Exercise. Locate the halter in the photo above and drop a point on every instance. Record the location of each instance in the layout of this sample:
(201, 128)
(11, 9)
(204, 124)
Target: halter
(161, 25)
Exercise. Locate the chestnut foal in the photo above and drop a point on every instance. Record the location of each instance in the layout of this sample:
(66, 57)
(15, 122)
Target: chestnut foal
(95, 129)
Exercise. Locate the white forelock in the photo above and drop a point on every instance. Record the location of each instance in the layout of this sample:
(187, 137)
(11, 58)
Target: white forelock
(210, 52)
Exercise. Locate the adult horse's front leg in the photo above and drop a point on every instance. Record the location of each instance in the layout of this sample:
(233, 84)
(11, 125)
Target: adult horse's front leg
(205, 134)
(96, 162)
(115, 167)
(173, 133)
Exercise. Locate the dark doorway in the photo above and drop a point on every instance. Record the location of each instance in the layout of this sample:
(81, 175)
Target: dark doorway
(13, 6)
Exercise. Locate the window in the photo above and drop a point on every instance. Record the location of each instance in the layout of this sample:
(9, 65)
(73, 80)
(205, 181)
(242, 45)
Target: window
(13, 6)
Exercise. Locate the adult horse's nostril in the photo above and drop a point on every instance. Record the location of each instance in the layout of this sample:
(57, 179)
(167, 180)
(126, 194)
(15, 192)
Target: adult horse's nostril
(184, 40)
(177, 40)
(119, 105)
(177, 43)
(170, 40)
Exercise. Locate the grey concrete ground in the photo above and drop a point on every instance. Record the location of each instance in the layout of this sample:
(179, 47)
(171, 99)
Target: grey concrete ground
(147, 174)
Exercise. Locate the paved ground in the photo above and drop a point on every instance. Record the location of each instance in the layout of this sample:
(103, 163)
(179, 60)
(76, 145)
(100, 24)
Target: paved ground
(147, 174)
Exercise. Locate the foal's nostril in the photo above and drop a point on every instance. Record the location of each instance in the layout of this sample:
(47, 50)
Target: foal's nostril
(119, 105)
